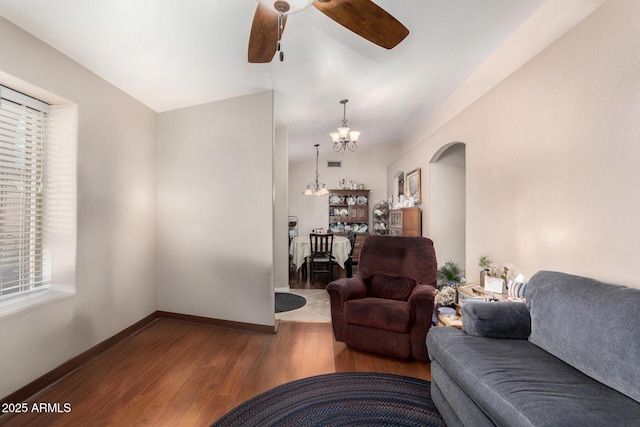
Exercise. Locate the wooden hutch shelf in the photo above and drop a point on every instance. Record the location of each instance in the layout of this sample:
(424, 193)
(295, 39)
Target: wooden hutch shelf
(349, 210)
(405, 222)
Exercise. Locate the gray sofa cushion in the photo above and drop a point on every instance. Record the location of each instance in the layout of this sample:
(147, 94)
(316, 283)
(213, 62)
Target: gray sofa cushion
(496, 319)
(591, 325)
(516, 383)
(455, 406)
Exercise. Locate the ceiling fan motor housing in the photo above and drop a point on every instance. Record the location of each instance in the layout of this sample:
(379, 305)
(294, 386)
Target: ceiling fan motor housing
(363, 17)
(288, 7)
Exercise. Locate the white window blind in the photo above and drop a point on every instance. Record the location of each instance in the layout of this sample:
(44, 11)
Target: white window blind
(24, 263)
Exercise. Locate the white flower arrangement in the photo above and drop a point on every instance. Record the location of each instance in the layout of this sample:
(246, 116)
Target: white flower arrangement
(446, 296)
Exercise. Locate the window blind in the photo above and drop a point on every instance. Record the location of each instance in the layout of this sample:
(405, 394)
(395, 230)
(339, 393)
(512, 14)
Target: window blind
(24, 263)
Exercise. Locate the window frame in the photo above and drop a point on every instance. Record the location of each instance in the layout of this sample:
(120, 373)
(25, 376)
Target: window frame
(60, 177)
(24, 264)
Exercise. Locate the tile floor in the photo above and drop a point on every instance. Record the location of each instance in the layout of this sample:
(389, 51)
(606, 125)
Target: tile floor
(316, 309)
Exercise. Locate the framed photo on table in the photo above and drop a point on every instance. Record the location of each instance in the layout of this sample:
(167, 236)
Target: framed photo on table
(412, 185)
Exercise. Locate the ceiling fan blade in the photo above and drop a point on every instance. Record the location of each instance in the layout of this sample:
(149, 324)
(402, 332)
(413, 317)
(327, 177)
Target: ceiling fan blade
(263, 39)
(366, 19)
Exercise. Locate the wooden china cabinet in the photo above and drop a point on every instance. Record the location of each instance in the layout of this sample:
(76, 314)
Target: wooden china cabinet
(405, 222)
(348, 210)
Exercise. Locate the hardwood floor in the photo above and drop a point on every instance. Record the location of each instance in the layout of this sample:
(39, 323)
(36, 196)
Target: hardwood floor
(319, 282)
(175, 373)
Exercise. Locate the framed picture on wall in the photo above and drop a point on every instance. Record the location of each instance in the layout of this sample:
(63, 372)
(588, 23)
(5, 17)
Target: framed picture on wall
(412, 185)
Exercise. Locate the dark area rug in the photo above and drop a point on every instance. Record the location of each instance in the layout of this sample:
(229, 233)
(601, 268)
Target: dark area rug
(287, 302)
(342, 399)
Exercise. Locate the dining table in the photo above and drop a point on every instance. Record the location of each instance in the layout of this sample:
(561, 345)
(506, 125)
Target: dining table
(300, 249)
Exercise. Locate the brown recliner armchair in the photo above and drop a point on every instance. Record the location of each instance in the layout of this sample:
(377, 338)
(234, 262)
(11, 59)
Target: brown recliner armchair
(387, 309)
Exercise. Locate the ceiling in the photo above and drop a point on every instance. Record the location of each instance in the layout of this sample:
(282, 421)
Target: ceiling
(171, 54)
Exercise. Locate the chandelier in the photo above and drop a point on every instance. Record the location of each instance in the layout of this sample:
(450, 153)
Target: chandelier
(317, 189)
(344, 139)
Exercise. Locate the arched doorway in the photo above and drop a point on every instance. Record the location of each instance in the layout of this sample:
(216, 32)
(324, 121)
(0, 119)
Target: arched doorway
(398, 185)
(447, 200)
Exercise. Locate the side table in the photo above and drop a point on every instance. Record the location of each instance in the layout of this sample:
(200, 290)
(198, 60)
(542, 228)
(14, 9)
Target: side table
(448, 320)
(475, 291)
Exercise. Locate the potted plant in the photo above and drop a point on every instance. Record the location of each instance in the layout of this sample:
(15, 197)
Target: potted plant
(450, 274)
(449, 277)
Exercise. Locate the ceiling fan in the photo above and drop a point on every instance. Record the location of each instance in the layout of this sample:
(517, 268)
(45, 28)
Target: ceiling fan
(363, 17)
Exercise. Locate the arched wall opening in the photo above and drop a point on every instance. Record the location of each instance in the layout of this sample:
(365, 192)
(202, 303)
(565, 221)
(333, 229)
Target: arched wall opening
(398, 185)
(447, 203)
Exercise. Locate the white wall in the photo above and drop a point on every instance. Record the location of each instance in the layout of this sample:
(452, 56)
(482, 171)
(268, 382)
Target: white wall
(116, 205)
(280, 209)
(553, 158)
(368, 166)
(546, 25)
(215, 210)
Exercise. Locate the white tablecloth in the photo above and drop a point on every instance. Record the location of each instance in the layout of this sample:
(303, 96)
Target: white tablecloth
(300, 248)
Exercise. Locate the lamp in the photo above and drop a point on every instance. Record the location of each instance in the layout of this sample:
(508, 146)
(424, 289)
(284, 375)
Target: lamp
(344, 139)
(318, 188)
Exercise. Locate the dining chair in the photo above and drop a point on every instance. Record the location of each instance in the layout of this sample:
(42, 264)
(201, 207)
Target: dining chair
(348, 264)
(321, 258)
(356, 239)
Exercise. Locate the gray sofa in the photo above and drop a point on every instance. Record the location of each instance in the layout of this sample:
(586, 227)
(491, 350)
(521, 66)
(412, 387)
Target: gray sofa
(569, 356)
